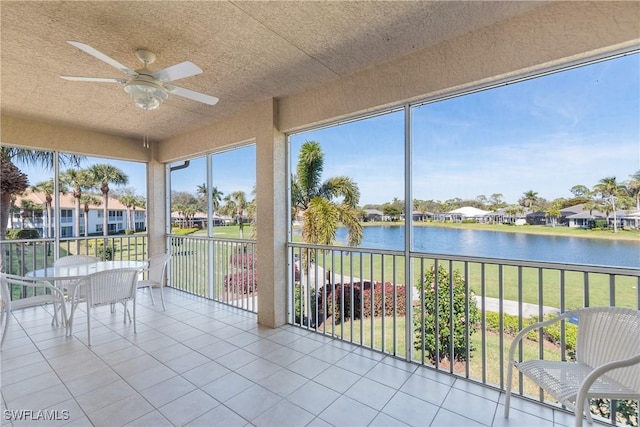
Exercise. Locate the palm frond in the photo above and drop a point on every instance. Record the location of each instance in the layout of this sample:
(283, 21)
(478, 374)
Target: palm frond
(349, 216)
(310, 165)
(344, 187)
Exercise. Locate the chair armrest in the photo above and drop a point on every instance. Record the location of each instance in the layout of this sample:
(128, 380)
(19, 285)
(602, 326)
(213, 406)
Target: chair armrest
(601, 370)
(524, 331)
(594, 375)
(33, 282)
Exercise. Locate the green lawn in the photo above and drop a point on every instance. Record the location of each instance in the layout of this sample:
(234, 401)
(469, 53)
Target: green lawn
(394, 343)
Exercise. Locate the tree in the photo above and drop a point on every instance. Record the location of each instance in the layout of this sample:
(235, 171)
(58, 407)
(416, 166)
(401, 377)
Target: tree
(27, 210)
(529, 199)
(580, 190)
(553, 211)
(609, 189)
(392, 211)
(78, 180)
(88, 200)
(181, 211)
(139, 202)
(324, 204)
(15, 178)
(443, 342)
(496, 202)
(46, 188)
(128, 199)
(240, 201)
(104, 174)
(216, 195)
(512, 211)
(633, 186)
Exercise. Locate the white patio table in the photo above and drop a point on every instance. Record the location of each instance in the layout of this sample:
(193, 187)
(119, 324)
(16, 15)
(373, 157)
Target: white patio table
(76, 272)
(79, 271)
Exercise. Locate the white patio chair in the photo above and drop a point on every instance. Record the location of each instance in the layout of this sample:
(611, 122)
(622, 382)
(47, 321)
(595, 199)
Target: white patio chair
(105, 288)
(607, 360)
(50, 295)
(68, 286)
(156, 275)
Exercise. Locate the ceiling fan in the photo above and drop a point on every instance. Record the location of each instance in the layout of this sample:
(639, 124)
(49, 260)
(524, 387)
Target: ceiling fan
(147, 89)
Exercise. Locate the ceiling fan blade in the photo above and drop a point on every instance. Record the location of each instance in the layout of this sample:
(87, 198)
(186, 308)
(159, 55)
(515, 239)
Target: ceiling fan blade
(104, 58)
(178, 71)
(196, 96)
(93, 79)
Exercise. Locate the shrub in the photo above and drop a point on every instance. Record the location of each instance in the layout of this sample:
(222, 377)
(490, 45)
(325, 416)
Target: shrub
(439, 281)
(183, 231)
(105, 253)
(599, 224)
(129, 231)
(243, 282)
(400, 308)
(341, 306)
(300, 307)
(22, 234)
(551, 333)
(242, 260)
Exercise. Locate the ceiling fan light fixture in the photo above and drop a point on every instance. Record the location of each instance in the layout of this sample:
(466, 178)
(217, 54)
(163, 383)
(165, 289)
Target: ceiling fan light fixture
(147, 95)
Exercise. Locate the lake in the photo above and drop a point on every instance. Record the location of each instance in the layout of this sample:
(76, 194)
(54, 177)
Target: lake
(495, 244)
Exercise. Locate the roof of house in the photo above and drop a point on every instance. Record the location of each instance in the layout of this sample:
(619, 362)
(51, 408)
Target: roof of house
(67, 201)
(578, 211)
(469, 211)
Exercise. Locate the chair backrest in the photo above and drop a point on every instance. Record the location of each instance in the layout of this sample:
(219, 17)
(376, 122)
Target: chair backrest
(5, 292)
(607, 334)
(158, 268)
(75, 259)
(111, 286)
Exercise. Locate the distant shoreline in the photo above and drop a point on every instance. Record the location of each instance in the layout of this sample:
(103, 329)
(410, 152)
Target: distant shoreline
(622, 234)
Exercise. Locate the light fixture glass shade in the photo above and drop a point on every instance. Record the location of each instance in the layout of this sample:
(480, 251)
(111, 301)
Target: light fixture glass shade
(146, 95)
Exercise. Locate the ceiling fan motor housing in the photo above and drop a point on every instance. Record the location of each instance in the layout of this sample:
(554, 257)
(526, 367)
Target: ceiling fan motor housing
(146, 92)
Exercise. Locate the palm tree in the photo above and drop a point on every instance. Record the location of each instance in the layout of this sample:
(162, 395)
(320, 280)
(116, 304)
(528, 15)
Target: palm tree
(529, 198)
(12, 182)
(190, 213)
(610, 191)
(238, 199)
(128, 199)
(181, 210)
(47, 188)
(15, 178)
(140, 202)
(216, 195)
(633, 185)
(28, 207)
(78, 180)
(105, 174)
(88, 200)
(553, 211)
(325, 204)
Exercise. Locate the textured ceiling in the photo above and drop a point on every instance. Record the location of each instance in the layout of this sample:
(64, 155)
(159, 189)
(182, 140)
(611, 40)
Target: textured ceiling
(249, 51)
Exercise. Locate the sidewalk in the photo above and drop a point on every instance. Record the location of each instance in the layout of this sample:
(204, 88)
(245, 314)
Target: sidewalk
(511, 307)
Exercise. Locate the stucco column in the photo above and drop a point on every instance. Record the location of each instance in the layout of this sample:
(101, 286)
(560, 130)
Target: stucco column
(272, 215)
(156, 202)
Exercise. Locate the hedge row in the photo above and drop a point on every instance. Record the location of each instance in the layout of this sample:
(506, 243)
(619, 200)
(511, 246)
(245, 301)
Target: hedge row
(551, 333)
(336, 300)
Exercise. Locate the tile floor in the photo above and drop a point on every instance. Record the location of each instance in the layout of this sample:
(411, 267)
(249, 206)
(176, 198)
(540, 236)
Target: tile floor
(201, 363)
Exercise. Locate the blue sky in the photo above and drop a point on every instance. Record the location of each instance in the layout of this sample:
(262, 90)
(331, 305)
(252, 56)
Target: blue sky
(545, 134)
